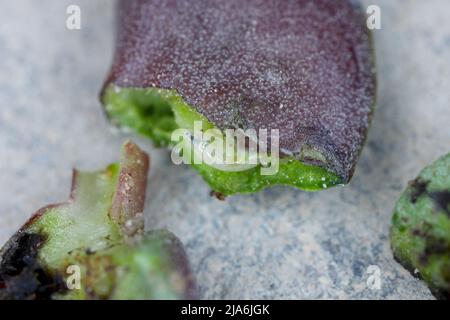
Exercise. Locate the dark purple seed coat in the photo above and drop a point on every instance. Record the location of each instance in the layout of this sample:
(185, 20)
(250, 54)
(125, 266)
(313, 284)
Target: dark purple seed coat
(304, 67)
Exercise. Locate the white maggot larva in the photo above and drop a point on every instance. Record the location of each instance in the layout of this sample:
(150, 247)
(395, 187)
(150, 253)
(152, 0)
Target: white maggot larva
(201, 152)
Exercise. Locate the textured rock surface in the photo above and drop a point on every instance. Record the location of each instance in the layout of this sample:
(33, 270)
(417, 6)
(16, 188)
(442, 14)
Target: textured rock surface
(281, 243)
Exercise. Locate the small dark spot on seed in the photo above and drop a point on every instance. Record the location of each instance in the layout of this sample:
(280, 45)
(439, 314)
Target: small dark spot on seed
(442, 200)
(419, 188)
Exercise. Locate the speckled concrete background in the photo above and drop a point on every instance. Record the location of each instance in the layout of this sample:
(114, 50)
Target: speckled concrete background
(281, 243)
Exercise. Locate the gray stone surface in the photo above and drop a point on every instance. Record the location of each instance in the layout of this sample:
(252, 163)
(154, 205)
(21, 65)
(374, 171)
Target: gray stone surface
(280, 243)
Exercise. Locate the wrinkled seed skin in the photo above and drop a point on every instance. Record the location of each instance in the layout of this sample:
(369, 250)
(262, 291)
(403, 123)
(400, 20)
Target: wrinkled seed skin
(304, 67)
